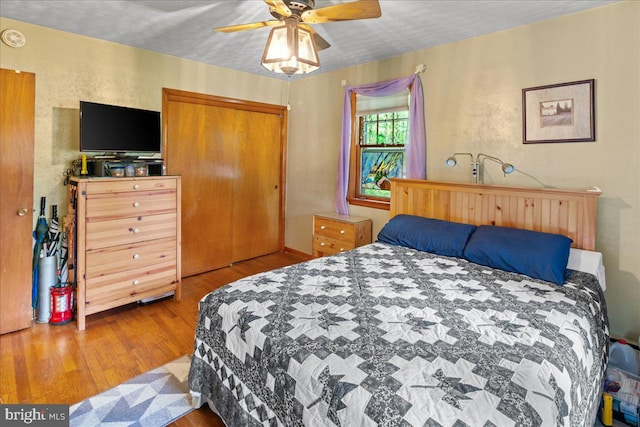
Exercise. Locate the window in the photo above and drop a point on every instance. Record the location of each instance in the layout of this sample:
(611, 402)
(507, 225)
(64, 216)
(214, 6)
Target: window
(380, 130)
(377, 99)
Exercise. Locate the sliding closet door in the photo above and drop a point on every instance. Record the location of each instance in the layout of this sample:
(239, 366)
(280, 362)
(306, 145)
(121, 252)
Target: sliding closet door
(256, 190)
(201, 152)
(230, 154)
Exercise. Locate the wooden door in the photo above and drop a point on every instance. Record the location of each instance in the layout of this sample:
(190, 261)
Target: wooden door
(17, 128)
(230, 156)
(200, 153)
(256, 189)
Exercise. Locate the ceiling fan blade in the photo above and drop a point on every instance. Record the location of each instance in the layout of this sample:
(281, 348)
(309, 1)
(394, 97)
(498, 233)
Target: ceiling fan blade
(361, 9)
(321, 43)
(279, 6)
(251, 26)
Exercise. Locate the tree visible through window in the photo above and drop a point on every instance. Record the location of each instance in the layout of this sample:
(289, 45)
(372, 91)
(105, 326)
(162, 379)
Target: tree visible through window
(381, 129)
(381, 147)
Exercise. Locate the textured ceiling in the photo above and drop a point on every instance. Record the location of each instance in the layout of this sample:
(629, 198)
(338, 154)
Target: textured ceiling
(185, 28)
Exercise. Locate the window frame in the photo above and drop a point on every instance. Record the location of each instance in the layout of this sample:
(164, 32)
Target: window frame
(353, 194)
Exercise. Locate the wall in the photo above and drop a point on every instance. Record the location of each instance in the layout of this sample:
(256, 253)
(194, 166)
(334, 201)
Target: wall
(70, 68)
(473, 104)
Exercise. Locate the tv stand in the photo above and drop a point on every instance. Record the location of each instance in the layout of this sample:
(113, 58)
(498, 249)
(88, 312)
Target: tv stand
(101, 165)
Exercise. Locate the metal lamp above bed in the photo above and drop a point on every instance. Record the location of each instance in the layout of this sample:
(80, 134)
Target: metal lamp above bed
(507, 168)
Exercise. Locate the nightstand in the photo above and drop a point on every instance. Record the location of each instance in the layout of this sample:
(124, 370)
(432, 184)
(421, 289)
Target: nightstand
(334, 233)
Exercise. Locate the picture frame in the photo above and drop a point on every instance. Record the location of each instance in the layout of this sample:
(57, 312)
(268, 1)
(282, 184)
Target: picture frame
(563, 112)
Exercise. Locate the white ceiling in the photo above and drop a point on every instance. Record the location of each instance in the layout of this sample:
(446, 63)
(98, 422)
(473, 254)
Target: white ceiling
(185, 28)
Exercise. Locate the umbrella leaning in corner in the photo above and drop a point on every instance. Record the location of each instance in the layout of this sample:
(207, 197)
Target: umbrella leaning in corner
(39, 234)
(64, 259)
(53, 234)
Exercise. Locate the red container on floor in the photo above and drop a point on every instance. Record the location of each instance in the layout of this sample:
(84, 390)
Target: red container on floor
(61, 305)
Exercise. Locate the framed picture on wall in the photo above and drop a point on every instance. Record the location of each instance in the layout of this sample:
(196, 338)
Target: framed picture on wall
(562, 112)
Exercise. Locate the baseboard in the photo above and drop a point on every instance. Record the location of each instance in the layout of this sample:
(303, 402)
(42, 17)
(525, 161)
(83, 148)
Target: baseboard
(298, 253)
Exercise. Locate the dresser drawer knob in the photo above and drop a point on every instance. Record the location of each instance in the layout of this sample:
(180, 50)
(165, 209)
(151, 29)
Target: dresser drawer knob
(322, 227)
(136, 230)
(341, 231)
(322, 244)
(136, 256)
(136, 186)
(136, 282)
(136, 204)
(341, 249)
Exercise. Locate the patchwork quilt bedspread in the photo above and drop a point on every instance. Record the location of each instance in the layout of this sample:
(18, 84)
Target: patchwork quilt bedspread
(385, 335)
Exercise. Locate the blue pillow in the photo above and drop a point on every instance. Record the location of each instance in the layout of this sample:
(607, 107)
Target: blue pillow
(535, 254)
(427, 234)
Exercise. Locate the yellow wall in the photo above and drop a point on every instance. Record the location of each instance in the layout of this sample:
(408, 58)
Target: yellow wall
(70, 68)
(473, 103)
(473, 96)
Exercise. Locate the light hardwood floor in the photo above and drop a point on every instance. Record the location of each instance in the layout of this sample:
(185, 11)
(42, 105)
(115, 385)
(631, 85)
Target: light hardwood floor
(59, 364)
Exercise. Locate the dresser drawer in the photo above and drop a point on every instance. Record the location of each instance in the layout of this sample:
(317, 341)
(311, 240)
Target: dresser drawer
(120, 185)
(334, 229)
(110, 206)
(123, 287)
(126, 231)
(329, 246)
(120, 258)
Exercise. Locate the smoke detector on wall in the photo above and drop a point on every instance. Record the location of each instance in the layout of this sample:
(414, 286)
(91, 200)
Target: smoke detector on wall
(13, 38)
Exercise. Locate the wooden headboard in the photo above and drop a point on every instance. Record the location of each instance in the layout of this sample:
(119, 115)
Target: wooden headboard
(568, 212)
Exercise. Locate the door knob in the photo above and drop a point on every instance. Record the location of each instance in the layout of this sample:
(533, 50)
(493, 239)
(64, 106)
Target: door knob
(23, 211)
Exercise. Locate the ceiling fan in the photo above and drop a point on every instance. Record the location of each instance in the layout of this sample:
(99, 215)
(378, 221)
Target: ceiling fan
(292, 18)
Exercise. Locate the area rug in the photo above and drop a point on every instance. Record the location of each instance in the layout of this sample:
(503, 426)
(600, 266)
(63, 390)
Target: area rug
(153, 399)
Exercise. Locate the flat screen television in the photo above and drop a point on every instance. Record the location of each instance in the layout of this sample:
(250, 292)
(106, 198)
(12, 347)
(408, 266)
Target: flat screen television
(112, 129)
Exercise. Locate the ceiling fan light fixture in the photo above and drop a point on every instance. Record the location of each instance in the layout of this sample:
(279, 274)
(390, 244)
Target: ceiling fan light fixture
(290, 50)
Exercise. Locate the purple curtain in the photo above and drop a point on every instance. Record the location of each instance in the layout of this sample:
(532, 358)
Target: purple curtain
(415, 147)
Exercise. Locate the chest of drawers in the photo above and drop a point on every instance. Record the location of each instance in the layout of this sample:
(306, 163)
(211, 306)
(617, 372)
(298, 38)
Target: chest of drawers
(127, 240)
(333, 233)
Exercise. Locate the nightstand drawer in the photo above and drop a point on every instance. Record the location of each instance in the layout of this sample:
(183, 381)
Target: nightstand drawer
(103, 234)
(334, 229)
(111, 206)
(129, 257)
(329, 246)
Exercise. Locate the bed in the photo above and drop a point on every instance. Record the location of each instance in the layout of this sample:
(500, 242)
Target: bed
(477, 306)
